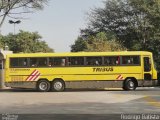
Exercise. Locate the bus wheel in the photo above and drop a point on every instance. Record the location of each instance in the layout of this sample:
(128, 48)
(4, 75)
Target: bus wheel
(58, 85)
(43, 86)
(129, 84)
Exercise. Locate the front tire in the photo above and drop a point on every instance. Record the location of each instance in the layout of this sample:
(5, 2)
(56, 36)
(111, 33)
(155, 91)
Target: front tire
(58, 85)
(43, 86)
(129, 84)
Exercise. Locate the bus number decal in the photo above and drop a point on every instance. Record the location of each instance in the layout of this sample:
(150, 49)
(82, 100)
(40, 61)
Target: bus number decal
(105, 69)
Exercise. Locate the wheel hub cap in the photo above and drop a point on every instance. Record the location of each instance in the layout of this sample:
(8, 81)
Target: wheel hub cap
(43, 86)
(58, 85)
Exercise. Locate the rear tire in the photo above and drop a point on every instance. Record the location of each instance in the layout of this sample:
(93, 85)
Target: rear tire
(58, 85)
(129, 84)
(43, 86)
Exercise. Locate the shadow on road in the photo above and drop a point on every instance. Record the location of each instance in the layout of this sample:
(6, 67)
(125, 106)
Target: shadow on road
(67, 90)
(81, 90)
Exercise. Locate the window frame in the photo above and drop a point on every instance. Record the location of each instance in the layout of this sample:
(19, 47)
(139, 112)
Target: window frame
(10, 66)
(94, 57)
(119, 64)
(75, 65)
(67, 61)
(139, 57)
(37, 63)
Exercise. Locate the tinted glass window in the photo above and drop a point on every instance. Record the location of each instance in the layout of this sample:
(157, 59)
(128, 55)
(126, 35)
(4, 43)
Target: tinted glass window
(114, 60)
(18, 62)
(147, 64)
(93, 60)
(14, 62)
(22, 62)
(51, 62)
(130, 60)
(33, 62)
(38, 62)
(59, 61)
(42, 62)
(76, 61)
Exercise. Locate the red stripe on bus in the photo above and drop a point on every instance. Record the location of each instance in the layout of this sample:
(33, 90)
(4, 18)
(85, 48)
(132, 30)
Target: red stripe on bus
(33, 75)
(36, 76)
(30, 74)
(121, 78)
(118, 77)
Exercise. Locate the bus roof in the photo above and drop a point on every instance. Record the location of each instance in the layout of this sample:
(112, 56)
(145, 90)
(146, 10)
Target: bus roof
(79, 54)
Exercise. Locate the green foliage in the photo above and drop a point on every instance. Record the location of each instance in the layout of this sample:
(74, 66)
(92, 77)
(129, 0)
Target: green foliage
(26, 42)
(97, 43)
(80, 45)
(134, 23)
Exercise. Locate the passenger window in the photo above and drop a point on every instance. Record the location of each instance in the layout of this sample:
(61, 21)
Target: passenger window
(59, 61)
(42, 62)
(111, 61)
(14, 62)
(18, 62)
(51, 62)
(93, 60)
(33, 62)
(76, 61)
(23, 62)
(130, 60)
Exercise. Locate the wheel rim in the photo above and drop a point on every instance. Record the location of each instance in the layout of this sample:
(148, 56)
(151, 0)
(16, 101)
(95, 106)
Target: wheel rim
(43, 86)
(58, 85)
(131, 84)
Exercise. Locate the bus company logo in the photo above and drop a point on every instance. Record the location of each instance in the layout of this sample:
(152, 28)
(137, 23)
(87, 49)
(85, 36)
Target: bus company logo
(104, 69)
(33, 76)
(120, 77)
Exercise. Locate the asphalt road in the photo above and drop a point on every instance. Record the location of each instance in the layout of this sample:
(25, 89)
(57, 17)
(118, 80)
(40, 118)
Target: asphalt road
(97, 102)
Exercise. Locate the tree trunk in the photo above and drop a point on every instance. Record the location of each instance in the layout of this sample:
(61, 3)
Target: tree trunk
(2, 21)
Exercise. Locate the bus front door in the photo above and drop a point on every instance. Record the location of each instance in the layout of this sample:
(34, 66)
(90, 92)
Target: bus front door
(147, 71)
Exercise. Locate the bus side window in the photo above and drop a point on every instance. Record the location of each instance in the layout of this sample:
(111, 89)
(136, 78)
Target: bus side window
(94, 61)
(76, 61)
(136, 60)
(59, 61)
(51, 62)
(63, 62)
(126, 60)
(13, 62)
(22, 62)
(106, 61)
(33, 62)
(42, 62)
(112, 60)
(130, 60)
(18, 62)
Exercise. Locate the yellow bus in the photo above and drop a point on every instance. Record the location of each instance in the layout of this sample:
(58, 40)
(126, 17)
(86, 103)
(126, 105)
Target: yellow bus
(57, 71)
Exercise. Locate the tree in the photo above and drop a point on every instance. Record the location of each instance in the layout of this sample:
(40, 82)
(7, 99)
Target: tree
(135, 23)
(97, 43)
(15, 8)
(79, 45)
(26, 42)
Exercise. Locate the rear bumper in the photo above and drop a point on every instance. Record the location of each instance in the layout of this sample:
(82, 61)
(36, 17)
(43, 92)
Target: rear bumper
(147, 83)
